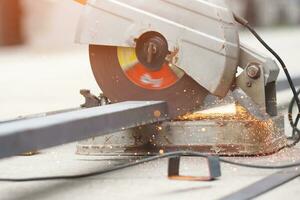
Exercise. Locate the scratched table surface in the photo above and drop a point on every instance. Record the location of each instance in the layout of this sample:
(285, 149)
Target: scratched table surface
(36, 80)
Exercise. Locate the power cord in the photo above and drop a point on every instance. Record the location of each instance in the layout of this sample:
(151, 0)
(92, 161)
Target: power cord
(146, 160)
(293, 123)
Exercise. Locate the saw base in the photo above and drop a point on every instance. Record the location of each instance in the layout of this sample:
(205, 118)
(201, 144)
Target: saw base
(225, 137)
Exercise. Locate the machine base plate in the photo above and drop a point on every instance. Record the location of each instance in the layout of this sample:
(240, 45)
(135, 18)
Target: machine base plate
(221, 137)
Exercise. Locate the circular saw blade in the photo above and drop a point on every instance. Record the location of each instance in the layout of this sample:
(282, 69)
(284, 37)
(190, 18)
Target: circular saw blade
(182, 93)
(146, 77)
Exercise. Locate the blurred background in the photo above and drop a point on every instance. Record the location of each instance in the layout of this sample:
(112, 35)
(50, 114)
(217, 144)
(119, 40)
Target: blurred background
(42, 69)
(265, 13)
(53, 22)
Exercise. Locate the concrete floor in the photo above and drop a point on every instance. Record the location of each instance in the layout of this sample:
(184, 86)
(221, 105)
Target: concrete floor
(37, 80)
(147, 181)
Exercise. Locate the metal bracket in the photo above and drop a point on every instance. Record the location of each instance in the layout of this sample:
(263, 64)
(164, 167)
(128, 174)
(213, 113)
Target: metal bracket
(261, 87)
(92, 100)
(213, 166)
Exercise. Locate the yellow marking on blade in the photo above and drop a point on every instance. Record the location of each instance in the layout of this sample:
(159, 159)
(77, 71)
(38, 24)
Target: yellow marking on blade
(83, 2)
(127, 57)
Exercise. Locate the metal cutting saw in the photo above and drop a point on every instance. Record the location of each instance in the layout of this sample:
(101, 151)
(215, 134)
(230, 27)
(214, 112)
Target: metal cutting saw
(186, 53)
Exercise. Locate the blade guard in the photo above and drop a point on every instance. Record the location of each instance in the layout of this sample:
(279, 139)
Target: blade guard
(203, 32)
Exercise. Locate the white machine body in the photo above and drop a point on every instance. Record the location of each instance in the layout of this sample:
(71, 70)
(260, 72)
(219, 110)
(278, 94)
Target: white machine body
(207, 40)
(202, 30)
(204, 33)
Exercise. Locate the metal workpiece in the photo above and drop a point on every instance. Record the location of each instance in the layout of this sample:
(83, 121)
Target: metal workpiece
(43, 132)
(264, 185)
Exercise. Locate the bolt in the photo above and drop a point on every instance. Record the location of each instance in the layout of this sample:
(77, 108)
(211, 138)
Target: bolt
(151, 50)
(253, 71)
(103, 99)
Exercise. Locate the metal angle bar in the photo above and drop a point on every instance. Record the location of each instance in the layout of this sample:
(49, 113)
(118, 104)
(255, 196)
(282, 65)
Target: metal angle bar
(43, 132)
(265, 185)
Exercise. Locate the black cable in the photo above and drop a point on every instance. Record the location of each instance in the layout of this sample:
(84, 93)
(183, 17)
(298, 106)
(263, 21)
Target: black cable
(296, 132)
(145, 160)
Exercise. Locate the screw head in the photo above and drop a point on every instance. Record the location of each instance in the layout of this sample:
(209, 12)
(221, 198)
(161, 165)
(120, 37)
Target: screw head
(253, 71)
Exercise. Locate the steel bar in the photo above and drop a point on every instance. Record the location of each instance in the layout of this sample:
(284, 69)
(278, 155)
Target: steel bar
(43, 132)
(265, 185)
